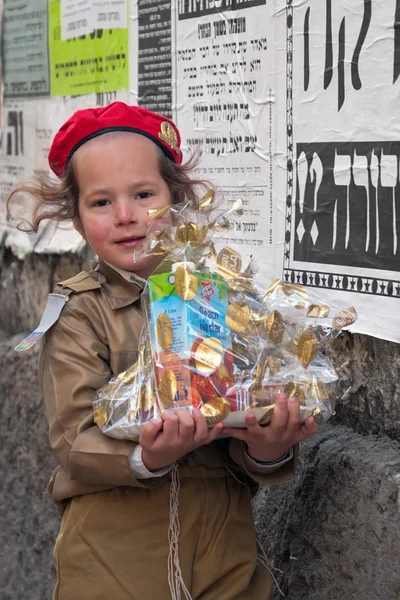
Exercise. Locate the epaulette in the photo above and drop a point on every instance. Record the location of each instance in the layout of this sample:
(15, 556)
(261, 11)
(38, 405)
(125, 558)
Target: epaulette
(83, 282)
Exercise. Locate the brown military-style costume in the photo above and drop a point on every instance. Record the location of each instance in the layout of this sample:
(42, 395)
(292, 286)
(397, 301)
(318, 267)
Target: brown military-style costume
(113, 541)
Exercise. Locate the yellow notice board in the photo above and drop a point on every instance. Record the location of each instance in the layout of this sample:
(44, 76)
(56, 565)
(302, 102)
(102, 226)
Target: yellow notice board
(86, 64)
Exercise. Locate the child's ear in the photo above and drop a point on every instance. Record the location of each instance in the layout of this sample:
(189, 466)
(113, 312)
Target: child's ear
(77, 223)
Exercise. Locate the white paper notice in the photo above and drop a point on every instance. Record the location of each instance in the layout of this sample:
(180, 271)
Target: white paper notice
(225, 105)
(77, 18)
(338, 137)
(110, 14)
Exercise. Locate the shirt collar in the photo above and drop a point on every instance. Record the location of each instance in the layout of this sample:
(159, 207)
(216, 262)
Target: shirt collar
(121, 287)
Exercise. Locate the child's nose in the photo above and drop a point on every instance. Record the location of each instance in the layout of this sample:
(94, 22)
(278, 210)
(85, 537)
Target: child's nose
(125, 212)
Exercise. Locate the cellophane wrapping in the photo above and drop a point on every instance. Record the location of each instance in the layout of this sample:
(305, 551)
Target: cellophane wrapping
(217, 336)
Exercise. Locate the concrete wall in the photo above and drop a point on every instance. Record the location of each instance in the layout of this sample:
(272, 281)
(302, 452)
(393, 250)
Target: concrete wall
(332, 532)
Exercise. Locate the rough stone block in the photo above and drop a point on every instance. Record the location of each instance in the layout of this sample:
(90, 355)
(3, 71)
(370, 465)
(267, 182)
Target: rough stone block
(334, 530)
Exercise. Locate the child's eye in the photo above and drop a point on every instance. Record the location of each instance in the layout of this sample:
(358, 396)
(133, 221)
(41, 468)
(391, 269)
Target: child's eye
(100, 203)
(144, 195)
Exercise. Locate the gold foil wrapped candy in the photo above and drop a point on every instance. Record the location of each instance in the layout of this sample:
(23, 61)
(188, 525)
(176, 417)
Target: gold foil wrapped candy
(307, 348)
(164, 331)
(186, 283)
(275, 327)
(215, 411)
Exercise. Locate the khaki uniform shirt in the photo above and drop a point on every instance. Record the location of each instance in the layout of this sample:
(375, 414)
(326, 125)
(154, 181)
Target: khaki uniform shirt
(96, 337)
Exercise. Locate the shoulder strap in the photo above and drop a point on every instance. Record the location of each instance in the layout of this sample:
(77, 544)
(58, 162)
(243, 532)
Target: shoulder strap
(83, 282)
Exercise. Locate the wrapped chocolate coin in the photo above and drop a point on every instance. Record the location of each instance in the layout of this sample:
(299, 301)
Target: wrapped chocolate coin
(167, 389)
(307, 348)
(215, 411)
(295, 390)
(318, 415)
(344, 319)
(186, 283)
(274, 365)
(191, 233)
(164, 331)
(207, 200)
(208, 356)
(238, 317)
(229, 262)
(267, 416)
(146, 398)
(275, 327)
(318, 390)
(158, 213)
(318, 311)
(100, 416)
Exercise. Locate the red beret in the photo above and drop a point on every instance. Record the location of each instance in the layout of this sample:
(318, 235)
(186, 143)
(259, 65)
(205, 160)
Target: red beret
(88, 123)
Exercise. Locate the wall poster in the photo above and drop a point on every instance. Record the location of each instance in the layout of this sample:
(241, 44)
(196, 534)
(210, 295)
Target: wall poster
(341, 181)
(224, 101)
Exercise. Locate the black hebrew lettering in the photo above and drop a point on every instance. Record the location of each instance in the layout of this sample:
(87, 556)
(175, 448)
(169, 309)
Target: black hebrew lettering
(355, 74)
(347, 209)
(155, 59)
(189, 9)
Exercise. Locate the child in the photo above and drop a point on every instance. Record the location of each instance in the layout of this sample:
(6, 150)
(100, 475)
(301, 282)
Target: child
(115, 540)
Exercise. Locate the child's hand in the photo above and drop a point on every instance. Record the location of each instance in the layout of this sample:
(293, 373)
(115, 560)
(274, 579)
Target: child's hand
(268, 444)
(166, 439)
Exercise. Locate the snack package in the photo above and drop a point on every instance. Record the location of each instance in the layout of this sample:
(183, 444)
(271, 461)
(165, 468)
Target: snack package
(216, 337)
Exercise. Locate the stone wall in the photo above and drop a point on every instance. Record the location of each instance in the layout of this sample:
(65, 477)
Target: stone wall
(332, 532)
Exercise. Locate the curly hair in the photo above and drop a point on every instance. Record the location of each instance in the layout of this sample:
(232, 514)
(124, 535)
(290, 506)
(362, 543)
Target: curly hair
(59, 200)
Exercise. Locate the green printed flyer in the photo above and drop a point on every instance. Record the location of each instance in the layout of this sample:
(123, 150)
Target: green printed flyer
(90, 63)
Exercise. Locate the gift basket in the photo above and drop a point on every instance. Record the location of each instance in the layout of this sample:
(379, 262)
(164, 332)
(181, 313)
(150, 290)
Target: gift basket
(218, 338)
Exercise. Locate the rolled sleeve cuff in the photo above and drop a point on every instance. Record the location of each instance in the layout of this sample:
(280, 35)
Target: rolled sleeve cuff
(138, 468)
(260, 467)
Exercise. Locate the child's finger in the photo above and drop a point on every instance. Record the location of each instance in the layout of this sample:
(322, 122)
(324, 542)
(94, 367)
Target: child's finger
(281, 414)
(186, 425)
(214, 432)
(293, 422)
(201, 428)
(171, 425)
(252, 425)
(149, 432)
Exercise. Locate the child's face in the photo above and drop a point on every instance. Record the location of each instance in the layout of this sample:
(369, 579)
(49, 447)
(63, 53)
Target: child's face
(119, 180)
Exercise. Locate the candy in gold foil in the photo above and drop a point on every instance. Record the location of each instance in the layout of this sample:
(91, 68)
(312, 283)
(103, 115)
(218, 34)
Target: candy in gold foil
(186, 283)
(295, 390)
(146, 398)
(318, 311)
(167, 389)
(318, 415)
(100, 416)
(307, 348)
(296, 295)
(229, 262)
(207, 200)
(164, 331)
(317, 389)
(215, 411)
(208, 356)
(267, 416)
(344, 319)
(129, 375)
(158, 213)
(191, 233)
(275, 327)
(221, 225)
(238, 317)
(242, 282)
(274, 365)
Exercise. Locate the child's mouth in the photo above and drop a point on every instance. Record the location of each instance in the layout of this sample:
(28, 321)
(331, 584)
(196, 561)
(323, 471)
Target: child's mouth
(131, 242)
